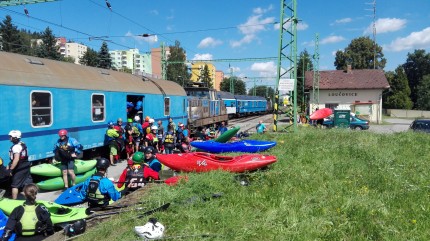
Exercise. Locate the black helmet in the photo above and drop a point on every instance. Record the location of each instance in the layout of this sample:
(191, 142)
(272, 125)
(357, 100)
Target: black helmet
(150, 149)
(76, 228)
(102, 163)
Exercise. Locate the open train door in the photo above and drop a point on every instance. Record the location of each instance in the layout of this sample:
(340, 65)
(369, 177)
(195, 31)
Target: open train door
(135, 106)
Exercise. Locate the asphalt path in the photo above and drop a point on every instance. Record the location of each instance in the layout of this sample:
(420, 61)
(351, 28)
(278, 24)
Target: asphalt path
(392, 125)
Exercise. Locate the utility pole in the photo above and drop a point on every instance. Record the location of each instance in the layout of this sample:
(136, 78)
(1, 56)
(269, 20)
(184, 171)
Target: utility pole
(316, 77)
(287, 63)
(374, 31)
(163, 61)
(231, 81)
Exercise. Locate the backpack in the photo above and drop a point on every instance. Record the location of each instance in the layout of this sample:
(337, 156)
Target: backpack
(136, 131)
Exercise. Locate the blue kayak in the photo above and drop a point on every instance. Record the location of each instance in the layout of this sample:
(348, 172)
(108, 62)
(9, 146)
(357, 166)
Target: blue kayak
(71, 196)
(3, 221)
(238, 146)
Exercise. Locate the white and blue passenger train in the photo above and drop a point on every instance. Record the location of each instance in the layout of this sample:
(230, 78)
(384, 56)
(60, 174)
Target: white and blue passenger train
(244, 105)
(42, 96)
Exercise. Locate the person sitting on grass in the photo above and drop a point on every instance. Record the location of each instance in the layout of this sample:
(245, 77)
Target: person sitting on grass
(151, 160)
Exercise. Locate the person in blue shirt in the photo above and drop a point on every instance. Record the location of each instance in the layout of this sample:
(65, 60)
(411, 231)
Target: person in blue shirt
(222, 129)
(261, 128)
(150, 159)
(66, 150)
(98, 190)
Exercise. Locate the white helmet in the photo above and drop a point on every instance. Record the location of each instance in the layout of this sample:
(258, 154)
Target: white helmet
(151, 120)
(15, 134)
(151, 230)
(154, 128)
(136, 118)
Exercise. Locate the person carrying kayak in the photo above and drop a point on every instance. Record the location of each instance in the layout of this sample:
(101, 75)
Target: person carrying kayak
(150, 159)
(29, 219)
(98, 190)
(137, 175)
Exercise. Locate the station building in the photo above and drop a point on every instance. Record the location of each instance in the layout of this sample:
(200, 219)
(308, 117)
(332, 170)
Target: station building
(358, 90)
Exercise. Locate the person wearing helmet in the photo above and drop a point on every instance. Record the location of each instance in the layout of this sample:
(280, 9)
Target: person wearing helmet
(184, 146)
(19, 166)
(171, 124)
(66, 150)
(129, 141)
(98, 190)
(146, 123)
(169, 140)
(137, 132)
(151, 139)
(112, 136)
(137, 175)
(150, 158)
(30, 221)
(160, 136)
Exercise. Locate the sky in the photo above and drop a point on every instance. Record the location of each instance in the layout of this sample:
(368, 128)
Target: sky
(241, 36)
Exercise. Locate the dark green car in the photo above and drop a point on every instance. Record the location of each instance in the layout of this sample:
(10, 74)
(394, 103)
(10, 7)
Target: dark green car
(355, 123)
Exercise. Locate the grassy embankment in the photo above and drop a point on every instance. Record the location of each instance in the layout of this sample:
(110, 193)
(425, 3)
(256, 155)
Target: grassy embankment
(326, 185)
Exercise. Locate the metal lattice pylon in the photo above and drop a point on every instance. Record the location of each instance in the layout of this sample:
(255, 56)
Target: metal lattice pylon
(316, 77)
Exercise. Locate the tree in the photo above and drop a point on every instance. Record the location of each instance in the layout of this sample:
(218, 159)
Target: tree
(416, 67)
(178, 70)
(206, 77)
(48, 48)
(239, 85)
(103, 57)
(89, 58)
(360, 55)
(69, 59)
(304, 64)
(423, 89)
(398, 95)
(11, 38)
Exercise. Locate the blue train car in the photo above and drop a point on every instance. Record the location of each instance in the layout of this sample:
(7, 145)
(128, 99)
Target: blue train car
(41, 96)
(250, 105)
(229, 102)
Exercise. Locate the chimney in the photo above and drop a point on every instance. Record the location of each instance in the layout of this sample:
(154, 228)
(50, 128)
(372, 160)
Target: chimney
(348, 69)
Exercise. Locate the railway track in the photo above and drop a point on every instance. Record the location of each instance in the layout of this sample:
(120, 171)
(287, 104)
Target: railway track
(247, 124)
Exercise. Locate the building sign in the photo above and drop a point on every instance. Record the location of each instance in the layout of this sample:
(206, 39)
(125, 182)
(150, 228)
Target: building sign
(340, 93)
(286, 84)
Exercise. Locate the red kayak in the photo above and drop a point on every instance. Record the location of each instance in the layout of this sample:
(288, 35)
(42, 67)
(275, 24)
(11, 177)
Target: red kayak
(321, 114)
(205, 162)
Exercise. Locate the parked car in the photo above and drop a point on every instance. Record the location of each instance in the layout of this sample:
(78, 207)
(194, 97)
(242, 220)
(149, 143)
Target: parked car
(421, 125)
(355, 123)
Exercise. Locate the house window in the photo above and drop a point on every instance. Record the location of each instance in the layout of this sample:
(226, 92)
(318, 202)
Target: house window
(166, 106)
(41, 109)
(331, 106)
(98, 107)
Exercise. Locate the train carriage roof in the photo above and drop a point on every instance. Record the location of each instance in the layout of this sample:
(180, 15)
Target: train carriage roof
(224, 95)
(24, 70)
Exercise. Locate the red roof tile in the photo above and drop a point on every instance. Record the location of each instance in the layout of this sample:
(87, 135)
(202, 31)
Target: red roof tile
(356, 79)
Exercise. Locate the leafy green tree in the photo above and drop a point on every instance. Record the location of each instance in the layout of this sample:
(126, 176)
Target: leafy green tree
(416, 67)
(360, 55)
(206, 77)
(103, 57)
(177, 71)
(304, 64)
(239, 85)
(398, 95)
(423, 89)
(69, 59)
(48, 49)
(89, 58)
(11, 38)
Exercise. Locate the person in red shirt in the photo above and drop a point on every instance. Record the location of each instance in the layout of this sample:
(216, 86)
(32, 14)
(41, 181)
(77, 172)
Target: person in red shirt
(136, 175)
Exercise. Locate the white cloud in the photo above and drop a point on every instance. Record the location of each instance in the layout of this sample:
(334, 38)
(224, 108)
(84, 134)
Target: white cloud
(140, 39)
(267, 69)
(342, 21)
(246, 39)
(385, 25)
(203, 57)
(251, 28)
(332, 39)
(262, 10)
(154, 12)
(300, 26)
(209, 42)
(415, 40)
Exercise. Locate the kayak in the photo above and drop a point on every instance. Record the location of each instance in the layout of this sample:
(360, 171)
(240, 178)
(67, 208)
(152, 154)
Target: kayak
(204, 162)
(72, 195)
(53, 170)
(226, 136)
(238, 146)
(59, 213)
(57, 183)
(321, 114)
(3, 221)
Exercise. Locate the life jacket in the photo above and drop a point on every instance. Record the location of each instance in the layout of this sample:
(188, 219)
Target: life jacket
(29, 224)
(136, 132)
(94, 196)
(23, 155)
(169, 138)
(135, 176)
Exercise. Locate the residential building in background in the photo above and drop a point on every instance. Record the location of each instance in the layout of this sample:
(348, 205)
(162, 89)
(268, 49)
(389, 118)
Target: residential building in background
(131, 60)
(156, 61)
(75, 50)
(219, 76)
(197, 71)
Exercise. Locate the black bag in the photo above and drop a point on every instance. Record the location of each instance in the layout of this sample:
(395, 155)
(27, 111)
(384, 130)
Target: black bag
(63, 155)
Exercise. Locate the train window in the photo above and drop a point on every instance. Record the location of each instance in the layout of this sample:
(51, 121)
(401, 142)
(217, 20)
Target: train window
(41, 109)
(98, 107)
(166, 106)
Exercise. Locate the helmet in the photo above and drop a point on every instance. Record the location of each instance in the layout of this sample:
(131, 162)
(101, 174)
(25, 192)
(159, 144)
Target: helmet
(151, 120)
(119, 120)
(76, 228)
(181, 125)
(129, 120)
(111, 124)
(102, 163)
(136, 118)
(154, 128)
(138, 157)
(15, 134)
(147, 118)
(62, 132)
(151, 230)
(149, 149)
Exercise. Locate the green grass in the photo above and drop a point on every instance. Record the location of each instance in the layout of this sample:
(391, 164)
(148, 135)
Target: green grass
(326, 185)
